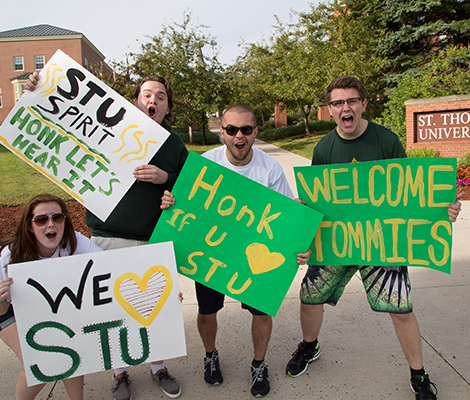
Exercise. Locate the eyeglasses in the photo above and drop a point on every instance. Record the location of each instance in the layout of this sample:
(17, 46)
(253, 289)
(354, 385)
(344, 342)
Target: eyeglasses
(340, 103)
(232, 130)
(42, 219)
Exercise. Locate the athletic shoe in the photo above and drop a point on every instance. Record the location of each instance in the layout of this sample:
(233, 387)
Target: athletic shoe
(260, 380)
(298, 364)
(168, 383)
(423, 388)
(212, 373)
(120, 387)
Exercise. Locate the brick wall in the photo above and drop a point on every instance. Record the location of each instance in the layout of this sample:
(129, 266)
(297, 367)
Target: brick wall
(280, 115)
(442, 123)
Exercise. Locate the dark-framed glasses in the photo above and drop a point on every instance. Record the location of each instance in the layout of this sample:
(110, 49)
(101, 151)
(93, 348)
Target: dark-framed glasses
(42, 219)
(232, 130)
(340, 103)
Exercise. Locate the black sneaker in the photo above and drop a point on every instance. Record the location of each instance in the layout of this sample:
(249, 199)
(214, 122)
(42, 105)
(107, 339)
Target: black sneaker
(120, 387)
(212, 374)
(298, 364)
(423, 388)
(260, 380)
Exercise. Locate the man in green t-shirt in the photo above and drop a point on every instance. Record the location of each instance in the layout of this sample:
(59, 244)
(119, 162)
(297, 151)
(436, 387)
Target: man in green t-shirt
(356, 139)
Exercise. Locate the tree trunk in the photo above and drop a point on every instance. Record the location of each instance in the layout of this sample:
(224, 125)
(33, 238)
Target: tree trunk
(305, 114)
(190, 134)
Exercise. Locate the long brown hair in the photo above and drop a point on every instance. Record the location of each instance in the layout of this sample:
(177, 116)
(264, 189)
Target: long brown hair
(23, 246)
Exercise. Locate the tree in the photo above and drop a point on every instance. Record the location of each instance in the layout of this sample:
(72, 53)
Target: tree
(176, 54)
(301, 58)
(410, 31)
(447, 73)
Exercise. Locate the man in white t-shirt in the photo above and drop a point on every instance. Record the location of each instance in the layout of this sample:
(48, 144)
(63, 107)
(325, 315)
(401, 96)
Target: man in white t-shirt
(238, 154)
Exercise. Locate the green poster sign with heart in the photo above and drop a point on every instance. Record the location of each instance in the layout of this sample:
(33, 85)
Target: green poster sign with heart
(234, 235)
(390, 212)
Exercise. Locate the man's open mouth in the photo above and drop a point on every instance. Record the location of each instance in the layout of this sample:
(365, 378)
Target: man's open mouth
(348, 120)
(152, 112)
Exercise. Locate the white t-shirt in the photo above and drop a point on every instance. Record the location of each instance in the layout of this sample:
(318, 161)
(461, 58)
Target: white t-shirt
(262, 169)
(84, 245)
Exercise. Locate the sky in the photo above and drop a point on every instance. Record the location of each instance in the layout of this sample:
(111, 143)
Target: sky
(117, 27)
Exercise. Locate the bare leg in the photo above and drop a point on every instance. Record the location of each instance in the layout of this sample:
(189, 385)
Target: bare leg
(10, 336)
(311, 318)
(207, 325)
(74, 387)
(261, 327)
(407, 329)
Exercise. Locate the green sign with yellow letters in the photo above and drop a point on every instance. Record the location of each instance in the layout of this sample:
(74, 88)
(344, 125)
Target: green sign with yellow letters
(390, 212)
(235, 235)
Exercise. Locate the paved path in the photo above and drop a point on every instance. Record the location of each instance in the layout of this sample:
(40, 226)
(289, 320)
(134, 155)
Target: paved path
(361, 357)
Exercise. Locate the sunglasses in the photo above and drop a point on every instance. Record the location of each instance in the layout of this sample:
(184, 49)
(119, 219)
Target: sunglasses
(232, 130)
(42, 219)
(340, 103)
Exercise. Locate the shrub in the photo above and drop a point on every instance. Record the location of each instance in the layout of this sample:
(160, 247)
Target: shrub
(423, 152)
(463, 171)
(211, 137)
(267, 125)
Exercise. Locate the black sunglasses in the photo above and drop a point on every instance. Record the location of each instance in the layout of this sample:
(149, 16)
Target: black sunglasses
(42, 219)
(232, 130)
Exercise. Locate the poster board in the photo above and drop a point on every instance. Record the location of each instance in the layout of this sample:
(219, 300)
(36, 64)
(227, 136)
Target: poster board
(99, 311)
(235, 235)
(81, 134)
(390, 212)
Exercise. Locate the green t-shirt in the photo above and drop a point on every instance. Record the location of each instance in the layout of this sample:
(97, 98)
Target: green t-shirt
(376, 143)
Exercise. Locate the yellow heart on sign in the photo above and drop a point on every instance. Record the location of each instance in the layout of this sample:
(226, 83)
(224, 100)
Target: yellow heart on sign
(261, 259)
(144, 298)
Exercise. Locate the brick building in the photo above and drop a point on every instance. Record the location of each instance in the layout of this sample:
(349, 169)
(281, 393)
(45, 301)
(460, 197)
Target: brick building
(25, 50)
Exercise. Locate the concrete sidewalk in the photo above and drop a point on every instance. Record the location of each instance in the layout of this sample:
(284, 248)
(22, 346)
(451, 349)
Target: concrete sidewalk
(361, 357)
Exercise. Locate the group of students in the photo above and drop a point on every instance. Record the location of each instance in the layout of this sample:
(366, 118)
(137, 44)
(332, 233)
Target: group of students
(45, 230)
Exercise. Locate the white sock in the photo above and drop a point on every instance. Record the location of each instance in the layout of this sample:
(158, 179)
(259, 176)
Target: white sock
(157, 367)
(118, 371)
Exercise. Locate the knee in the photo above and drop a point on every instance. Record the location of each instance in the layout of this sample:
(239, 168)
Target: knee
(403, 318)
(207, 318)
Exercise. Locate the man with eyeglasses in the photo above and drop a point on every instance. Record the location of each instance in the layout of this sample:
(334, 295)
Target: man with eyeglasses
(238, 132)
(356, 139)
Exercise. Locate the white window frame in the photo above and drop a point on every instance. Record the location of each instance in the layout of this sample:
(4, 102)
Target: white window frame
(15, 64)
(43, 62)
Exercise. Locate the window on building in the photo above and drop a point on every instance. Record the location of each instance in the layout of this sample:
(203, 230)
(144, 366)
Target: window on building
(39, 62)
(18, 64)
(18, 88)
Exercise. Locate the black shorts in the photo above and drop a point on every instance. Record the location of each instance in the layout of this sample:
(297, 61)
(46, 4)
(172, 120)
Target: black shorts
(7, 319)
(210, 301)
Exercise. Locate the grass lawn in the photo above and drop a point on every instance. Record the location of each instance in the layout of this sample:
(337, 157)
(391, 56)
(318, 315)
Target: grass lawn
(301, 145)
(19, 181)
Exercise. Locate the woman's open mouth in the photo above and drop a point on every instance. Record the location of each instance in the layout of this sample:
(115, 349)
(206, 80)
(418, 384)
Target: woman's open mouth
(51, 235)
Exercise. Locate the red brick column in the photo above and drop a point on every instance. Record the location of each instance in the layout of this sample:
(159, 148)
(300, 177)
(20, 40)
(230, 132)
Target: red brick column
(280, 115)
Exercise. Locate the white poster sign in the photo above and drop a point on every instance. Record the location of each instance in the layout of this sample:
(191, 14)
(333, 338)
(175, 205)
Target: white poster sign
(81, 134)
(93, 312)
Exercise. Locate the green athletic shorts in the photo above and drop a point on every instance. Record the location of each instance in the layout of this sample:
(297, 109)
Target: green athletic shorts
(388, 288)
